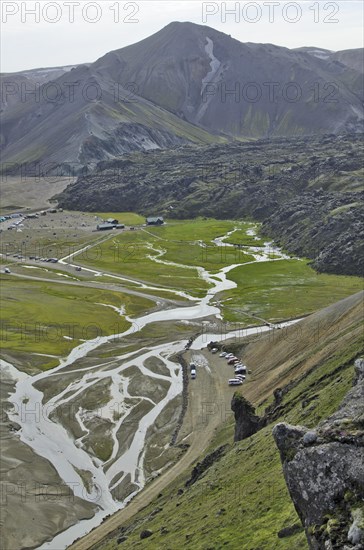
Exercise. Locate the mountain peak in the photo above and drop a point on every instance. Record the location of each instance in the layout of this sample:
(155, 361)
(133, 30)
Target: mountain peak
(188, 82)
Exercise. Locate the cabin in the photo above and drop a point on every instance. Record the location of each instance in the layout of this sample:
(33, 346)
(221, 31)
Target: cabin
(155, 220)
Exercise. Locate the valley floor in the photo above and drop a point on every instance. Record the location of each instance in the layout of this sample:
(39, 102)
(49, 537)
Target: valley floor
(96, 354)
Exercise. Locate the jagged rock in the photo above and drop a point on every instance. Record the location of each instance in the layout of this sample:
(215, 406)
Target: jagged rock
(356, 531)
(309, 437)
(146, 533)
(288, 531)
(359, 371)
(206, 463)
(155, 512)
(324, 472)
(247, 422)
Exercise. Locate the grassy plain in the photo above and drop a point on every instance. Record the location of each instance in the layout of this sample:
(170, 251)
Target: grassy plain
(50, 319)
(186, 243)
(277, 290)
(272, 290)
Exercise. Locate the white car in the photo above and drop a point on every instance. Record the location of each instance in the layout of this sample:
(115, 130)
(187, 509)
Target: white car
(214, 350)
(193, 374)
(223, 354)
(240, 377)
(7, 270)
(240, 370)
(235, 382)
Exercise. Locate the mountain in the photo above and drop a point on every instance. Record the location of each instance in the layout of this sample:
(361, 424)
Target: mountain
(351, 58)
(186, 84)
(173, 67)
(63, 126)
(14, 86)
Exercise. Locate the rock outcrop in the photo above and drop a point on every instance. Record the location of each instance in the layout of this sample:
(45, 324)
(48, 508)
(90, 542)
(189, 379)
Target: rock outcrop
(205, 464)
(326, 227)
(306, 191)
(247, 422)
(324, 472)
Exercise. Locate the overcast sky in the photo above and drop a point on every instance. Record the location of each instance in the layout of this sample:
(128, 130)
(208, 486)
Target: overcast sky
(101, 26)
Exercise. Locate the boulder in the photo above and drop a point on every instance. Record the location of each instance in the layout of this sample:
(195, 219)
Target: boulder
(324, 472)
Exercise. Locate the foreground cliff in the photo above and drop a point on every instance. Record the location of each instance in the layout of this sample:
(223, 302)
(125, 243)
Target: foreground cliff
(324, 472)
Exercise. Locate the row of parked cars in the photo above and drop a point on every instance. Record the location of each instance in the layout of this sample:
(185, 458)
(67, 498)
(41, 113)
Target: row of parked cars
(240, 369)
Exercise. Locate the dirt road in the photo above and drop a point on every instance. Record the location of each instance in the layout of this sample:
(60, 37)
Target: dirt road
(209, 398)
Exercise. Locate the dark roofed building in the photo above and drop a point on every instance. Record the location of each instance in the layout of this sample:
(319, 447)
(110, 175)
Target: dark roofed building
(156, 220)
(106, 226)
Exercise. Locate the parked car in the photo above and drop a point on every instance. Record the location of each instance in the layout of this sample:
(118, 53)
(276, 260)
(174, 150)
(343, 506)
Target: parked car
(7, 270)
(214, 350)
(240, 370)
(232, 360)
(228, 355)
(78, 268)
(223, 354)
(193, 374)
(240, 376)
(234, 382)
